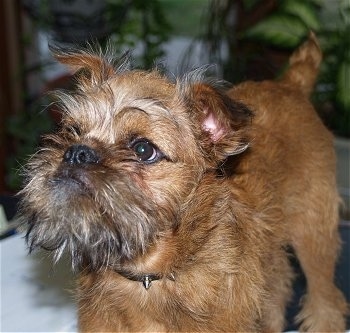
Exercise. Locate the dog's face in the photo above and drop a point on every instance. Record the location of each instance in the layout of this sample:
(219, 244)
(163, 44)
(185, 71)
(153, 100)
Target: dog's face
(131, 150)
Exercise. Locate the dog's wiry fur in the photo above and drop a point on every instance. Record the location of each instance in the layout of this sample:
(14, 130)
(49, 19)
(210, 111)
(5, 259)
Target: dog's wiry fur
(148, 176)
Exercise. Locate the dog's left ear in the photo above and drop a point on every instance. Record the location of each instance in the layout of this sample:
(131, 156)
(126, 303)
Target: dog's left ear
(92, 66)
(225, 123)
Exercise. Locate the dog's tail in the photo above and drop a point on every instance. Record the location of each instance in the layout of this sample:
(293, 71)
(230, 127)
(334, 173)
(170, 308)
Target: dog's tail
(304, 65)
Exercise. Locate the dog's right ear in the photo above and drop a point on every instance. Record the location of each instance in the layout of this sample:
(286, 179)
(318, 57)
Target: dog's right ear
(224, 122)
(92, 67)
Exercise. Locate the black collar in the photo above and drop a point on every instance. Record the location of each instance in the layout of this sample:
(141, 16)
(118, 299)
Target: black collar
(146, 279)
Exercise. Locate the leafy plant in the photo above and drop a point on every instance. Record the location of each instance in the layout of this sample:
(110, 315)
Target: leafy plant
(287, 25)
(144, 24)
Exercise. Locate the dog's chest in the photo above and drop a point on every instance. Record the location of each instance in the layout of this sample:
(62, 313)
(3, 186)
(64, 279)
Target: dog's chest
(165, 305)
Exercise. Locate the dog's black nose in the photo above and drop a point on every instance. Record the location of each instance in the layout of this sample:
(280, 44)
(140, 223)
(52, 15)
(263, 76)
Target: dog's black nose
(80, 154)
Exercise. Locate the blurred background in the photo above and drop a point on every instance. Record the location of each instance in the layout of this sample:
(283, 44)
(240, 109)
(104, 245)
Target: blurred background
(246, 39)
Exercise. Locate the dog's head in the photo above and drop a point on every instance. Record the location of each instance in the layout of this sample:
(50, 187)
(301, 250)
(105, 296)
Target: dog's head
(131, 149)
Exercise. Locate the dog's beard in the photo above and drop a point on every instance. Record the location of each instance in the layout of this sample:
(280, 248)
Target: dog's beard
(101, 221)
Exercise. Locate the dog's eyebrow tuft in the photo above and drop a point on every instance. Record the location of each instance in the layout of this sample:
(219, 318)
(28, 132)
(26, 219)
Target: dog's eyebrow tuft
(146, 104)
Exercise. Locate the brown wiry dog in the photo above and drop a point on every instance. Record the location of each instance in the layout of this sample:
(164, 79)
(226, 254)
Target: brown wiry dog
(177, 202)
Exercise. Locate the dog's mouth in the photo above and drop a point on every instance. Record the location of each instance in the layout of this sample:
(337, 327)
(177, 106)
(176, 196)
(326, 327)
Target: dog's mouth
(73, 179)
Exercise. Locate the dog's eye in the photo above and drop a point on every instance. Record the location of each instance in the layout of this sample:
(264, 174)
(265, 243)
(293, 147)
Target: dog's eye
(146, 151)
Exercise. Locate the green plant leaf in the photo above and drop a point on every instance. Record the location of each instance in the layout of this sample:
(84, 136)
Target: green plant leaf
(304, 10)
(278, 30)
(343, 85)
